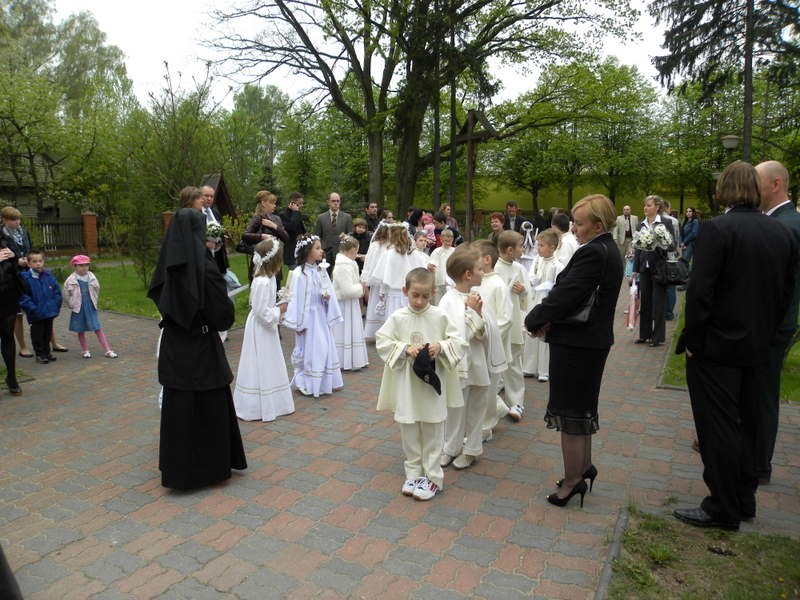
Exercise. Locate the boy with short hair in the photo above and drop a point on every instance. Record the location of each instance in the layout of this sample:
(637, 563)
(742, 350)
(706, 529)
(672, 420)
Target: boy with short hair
(438, 264)
(41, 303)
(462, 303)
(495, 295)
(509, 247)
(420, 347)
(363, 236)
(542, 276)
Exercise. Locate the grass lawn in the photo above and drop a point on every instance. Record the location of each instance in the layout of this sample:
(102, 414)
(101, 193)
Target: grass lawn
(675, 369)
(663, 559)
(121, 289)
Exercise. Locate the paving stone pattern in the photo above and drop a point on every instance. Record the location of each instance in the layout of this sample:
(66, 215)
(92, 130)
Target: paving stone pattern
(318, 512)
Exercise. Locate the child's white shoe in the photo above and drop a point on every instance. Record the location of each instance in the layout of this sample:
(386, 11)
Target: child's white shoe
(463, 461)
(445, 459)
(409, 486)
(86, 354)
(425, 489)
(111, 354)
(515, 413)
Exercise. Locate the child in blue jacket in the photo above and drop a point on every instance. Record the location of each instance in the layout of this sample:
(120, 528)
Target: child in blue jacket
(41, 303)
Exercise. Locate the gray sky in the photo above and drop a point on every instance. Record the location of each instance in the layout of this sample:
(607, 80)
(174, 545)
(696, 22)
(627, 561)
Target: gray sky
(175, 35)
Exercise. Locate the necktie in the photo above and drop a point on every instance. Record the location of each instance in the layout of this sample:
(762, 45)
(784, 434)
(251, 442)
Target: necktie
(333, 219)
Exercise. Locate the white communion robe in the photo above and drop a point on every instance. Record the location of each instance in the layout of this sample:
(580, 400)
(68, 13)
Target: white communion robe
(348, 334)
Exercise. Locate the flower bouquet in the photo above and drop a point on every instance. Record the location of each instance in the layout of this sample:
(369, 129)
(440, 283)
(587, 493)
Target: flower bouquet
(656, 238)
(215, 232)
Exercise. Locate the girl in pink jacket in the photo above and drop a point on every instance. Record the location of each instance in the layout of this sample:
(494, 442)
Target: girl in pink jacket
(81, 289)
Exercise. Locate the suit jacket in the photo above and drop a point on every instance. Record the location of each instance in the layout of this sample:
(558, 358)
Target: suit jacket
(294, 227)
(788, 215)
(647, 259)
(517, 222)
(619, 228)
(328, 234)
(590, 265)
(743, 279)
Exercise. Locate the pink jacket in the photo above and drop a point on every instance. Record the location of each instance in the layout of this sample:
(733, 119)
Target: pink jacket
(72, 291)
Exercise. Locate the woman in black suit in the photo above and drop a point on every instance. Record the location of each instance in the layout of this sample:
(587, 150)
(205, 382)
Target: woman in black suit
(578, 350)
(652, 315)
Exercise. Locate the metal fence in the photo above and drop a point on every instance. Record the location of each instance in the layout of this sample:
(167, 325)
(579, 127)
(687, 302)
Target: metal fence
(56, 235)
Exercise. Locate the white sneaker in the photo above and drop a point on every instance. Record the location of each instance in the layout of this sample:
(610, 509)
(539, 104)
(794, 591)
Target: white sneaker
(544, 378)
(409, 486)
(87, 354)
(445, 459)
(515, 412)
(111, 354)
(425, 489)
(487, 435)
(463, 461)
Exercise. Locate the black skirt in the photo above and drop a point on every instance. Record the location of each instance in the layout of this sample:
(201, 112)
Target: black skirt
(575, 378)
(200, 439)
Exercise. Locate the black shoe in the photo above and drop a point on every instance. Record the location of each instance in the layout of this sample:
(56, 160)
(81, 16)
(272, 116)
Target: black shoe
(51, 358)
(655, 344)
(42, 359)
(60, 349)
(589, 474)
(641, 341)
(13, 387)
(580, 488)
(700, 518)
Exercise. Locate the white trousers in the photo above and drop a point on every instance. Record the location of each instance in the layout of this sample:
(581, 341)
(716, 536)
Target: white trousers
(537, 357)
(422, 445)
(466, 422)
(513, 380)
(496, 408)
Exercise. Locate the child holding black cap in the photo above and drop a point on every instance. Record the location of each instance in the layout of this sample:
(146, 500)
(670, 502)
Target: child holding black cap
(421, 348)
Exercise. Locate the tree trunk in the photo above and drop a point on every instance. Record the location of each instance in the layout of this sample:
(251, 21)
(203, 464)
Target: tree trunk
(375, 178)
(408, 156)
(535, 199)
(747, 133)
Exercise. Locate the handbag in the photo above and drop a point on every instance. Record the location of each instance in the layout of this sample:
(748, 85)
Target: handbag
(584, 310)
(672, 272)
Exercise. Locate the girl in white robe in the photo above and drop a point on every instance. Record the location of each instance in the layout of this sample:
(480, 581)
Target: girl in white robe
(312, 312)
(262, 384)
(378, 245)
(349, 333)
(438, 260)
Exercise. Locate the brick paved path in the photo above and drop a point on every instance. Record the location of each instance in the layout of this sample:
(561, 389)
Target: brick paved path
(318, 513)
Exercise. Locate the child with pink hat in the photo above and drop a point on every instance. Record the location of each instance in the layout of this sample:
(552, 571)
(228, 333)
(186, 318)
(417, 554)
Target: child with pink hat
(82, 290)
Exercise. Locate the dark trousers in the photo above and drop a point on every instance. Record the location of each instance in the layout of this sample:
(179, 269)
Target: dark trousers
(769, 407)
(671, 298)
(725, 403)
(651, 311)
(7, 344)
(41, 332)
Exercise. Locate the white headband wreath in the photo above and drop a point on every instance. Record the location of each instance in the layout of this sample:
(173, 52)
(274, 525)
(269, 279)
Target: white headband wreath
(259, 260)
(303, 243)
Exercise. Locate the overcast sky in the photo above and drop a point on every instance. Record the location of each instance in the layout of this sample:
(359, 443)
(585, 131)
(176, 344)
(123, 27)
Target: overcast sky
(150, 32)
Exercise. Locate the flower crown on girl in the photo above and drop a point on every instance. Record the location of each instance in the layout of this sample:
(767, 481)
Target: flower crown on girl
(303, 243)
(259, 260)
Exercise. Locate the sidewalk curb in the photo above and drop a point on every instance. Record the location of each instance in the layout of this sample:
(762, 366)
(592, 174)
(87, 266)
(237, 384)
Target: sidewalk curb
(613, 553)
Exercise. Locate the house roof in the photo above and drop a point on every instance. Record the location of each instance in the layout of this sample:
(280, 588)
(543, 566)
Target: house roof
(222, 199)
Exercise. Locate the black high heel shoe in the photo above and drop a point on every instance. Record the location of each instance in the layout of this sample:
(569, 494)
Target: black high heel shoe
(580, 488)
(589, 474)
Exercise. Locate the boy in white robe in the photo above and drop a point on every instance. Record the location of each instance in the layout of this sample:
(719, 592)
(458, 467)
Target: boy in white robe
(464, 307)
(542, 276)
(438, 263)
(515, 276)
(417, 406)
(496, 296)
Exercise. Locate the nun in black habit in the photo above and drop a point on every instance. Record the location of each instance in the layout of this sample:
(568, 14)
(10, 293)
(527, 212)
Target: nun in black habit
(200, 439)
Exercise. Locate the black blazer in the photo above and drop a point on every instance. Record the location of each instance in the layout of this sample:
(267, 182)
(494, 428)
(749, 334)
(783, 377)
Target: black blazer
(743, 278)
(788, 215)
(589, 266)
(517, 222)
(646, 259)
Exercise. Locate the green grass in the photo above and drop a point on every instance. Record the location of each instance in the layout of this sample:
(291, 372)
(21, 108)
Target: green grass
(675, 369)
(663, 559)
(121, 289)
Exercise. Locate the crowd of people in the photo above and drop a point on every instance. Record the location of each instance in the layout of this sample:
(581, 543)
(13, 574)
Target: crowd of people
(458, 325)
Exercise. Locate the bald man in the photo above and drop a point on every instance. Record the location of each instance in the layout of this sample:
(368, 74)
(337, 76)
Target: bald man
(775, 203)
(623, 230)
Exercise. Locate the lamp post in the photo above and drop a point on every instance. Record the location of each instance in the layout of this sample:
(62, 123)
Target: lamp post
(730, 143)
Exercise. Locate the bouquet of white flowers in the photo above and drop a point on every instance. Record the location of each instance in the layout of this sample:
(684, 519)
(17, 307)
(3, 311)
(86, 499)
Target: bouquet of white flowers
(656, 238)
(215, 232)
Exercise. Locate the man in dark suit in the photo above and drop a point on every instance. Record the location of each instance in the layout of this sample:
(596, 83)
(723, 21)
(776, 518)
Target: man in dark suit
(744, 273)
(513, 220)
(775, 203)
(330, 225)
(292, 218)
(372, 214)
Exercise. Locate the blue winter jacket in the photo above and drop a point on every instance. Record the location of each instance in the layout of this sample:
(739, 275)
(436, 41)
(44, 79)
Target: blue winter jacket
(43, 297)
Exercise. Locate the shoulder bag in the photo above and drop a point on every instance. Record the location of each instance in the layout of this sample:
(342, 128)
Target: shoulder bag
(584, 310)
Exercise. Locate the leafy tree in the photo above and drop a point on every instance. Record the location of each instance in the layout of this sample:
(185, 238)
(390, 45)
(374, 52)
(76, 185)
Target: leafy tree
(715, 42)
